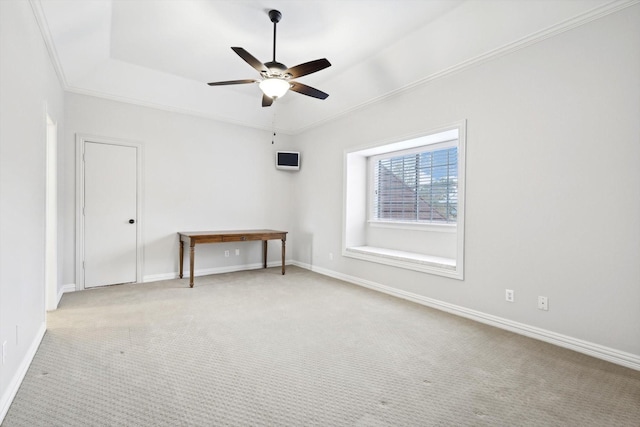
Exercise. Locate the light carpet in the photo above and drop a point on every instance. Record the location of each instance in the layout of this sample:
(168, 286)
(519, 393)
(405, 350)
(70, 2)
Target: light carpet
(257, 348)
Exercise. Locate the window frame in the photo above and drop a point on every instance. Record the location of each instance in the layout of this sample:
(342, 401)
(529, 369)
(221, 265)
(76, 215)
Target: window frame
(355, 212)
(448, 227)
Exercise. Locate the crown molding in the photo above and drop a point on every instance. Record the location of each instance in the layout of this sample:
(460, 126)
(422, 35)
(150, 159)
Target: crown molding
(41, 19)
(171, 109)
(536, 37)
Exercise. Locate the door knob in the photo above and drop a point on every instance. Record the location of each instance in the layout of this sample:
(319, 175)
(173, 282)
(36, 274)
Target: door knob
(131, 221)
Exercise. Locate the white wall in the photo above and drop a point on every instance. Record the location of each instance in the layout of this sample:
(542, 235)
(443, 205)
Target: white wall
(198, 174)
(553, 184)
(28, 89)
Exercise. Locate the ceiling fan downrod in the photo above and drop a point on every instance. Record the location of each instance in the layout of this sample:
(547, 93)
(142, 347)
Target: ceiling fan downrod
(275, 17)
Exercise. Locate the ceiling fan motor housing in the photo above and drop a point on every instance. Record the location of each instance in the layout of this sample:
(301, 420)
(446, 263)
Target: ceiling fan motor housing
(277, 69)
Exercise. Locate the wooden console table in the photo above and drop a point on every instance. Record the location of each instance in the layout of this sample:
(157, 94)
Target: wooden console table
(195, 237)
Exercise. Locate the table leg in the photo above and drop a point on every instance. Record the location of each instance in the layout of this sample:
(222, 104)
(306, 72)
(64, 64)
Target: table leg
(181, 256)
(264, 254)
(283, 252)
(192, 255)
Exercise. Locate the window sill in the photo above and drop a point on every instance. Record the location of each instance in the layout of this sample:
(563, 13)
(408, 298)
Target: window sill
(407, 260)
(441, 228)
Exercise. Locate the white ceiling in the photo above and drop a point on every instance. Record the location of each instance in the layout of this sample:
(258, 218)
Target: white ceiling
(161, 53)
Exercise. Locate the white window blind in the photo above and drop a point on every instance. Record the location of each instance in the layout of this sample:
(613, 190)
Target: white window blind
(416, 187)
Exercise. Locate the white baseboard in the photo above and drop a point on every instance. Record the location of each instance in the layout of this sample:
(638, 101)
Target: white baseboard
(71, 287)
(14, 385)
(596, 350)
(208, 271)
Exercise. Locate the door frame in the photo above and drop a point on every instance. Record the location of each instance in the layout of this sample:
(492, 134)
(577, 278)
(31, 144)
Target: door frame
(81, 140)
(51, 214)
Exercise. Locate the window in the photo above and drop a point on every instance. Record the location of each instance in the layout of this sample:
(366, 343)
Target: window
(404, 202)
(415, 186)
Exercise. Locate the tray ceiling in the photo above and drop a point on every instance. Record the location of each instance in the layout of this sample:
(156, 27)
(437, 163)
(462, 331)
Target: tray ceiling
(162, 53)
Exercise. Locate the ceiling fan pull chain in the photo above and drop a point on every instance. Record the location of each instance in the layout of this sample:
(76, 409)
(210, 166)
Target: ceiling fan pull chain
(273, 127)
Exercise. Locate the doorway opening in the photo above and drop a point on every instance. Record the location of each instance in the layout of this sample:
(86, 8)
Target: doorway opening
(51, 216)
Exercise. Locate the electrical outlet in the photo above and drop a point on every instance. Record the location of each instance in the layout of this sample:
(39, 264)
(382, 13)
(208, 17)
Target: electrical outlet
(4, 352)
(543, 303)
(509, 295)
(237, 252)
(331, 255)
(226, 253)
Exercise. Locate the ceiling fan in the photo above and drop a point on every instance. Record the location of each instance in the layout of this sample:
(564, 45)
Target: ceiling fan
(276, 77)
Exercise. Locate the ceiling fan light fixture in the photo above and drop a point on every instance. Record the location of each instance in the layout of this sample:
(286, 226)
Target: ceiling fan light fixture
(274, 87)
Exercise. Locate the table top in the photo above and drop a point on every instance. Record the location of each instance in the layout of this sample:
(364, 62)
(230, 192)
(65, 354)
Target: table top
(228, 232)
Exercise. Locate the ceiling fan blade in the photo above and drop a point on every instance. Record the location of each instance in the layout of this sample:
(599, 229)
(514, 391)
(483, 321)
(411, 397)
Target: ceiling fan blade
(232, 82)
(308, 90)
(250, 59)
(308, 68)
(266, 101)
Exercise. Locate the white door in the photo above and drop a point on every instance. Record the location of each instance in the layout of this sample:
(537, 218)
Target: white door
(110, 217)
